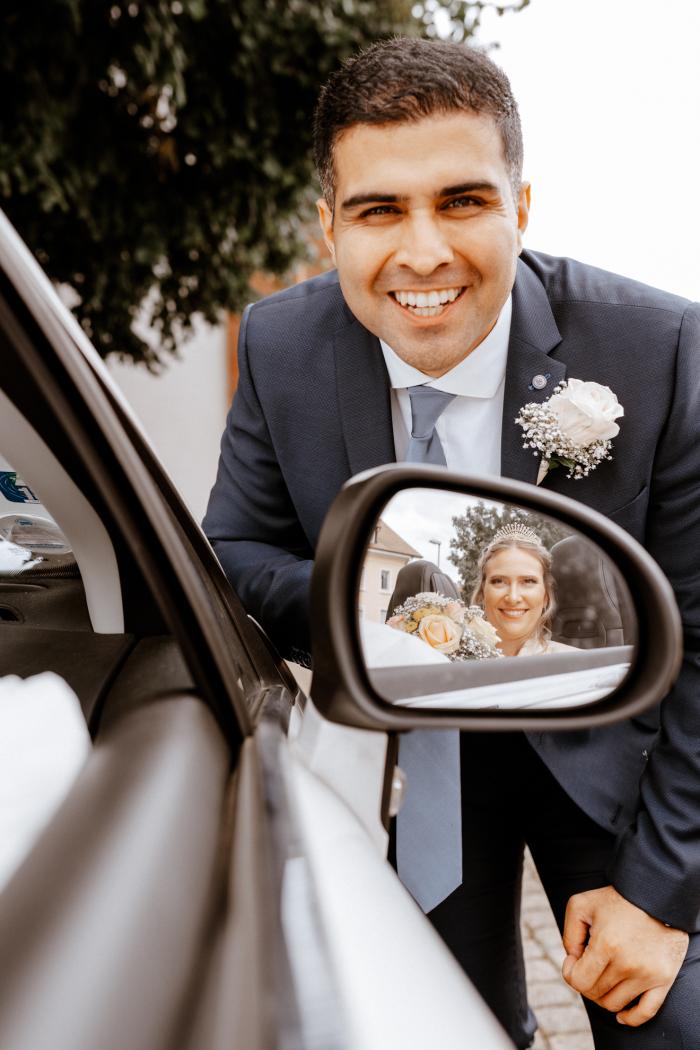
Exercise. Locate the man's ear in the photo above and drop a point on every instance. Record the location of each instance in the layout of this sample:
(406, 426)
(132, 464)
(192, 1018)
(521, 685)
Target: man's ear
(523, 212)
(325, 217)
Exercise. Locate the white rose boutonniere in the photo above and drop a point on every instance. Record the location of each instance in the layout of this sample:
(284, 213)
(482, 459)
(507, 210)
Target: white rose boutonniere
(573, 428)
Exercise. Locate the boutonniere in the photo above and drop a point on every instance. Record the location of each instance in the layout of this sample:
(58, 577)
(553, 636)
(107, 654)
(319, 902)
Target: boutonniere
(573, 428)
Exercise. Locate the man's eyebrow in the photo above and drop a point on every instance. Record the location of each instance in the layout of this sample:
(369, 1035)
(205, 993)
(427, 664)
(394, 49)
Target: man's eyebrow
(468, 187)
(359, 199)
(370, 198)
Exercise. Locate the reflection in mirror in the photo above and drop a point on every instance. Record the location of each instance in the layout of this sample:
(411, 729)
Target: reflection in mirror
(465, 602)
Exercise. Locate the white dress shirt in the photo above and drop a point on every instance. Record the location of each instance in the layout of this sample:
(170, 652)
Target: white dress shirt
(470, 427)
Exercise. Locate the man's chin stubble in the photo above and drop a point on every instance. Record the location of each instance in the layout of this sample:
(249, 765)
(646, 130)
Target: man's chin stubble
(436, 364)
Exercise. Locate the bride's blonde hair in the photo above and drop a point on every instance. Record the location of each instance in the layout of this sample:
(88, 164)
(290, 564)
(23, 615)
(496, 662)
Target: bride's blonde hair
(523, 538)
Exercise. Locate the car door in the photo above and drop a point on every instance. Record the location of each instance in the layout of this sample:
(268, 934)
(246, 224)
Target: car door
(110, 927)
(204, 883)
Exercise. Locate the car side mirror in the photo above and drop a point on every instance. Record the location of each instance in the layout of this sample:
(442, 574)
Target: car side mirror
(447, 601)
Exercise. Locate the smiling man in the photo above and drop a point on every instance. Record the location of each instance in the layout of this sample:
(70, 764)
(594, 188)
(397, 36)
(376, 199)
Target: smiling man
(426, 253)
(423, 344)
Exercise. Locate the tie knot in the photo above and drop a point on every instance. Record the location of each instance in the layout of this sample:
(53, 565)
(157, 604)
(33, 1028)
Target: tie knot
(427, 405)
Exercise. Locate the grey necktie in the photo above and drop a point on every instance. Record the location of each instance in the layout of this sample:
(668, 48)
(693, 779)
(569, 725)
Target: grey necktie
(427, 405)
(428, 827)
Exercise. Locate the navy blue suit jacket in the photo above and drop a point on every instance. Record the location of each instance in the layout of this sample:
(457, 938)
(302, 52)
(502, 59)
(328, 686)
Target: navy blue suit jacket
(313, 408)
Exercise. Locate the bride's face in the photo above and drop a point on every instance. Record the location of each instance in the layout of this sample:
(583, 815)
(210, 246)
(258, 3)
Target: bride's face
(514, 596)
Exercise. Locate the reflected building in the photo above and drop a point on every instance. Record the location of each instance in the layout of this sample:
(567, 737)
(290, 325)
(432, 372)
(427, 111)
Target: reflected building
(386, 554)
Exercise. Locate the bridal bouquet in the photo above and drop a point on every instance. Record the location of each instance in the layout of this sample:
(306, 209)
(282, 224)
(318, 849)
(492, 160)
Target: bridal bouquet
(573, 428)
(448, 625)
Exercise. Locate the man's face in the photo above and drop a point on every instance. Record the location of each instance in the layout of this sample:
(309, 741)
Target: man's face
(425, 233)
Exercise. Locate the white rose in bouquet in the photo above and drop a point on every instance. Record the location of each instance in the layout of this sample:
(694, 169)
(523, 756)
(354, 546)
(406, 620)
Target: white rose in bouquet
(483, 630)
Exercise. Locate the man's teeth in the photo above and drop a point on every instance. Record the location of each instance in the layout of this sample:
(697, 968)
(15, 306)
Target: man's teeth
(427, 304)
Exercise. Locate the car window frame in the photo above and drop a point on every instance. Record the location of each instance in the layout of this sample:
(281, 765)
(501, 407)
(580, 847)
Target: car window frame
(222, 648)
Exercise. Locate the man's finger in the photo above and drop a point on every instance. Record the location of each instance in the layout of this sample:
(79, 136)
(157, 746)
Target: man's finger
(576, 927)
(620, 997)
(588, 970)
(610, 980)
(649, 1005)
(605, 983)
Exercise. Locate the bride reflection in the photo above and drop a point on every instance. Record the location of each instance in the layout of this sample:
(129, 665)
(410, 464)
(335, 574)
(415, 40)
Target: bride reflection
(512, 604)
(515, 588)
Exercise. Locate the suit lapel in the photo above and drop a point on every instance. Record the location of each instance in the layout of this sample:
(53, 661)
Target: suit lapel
(533, 335)
(363, 398)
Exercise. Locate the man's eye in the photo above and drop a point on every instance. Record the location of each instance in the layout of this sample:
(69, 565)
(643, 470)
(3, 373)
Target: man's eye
(463, 202)
(379, 209)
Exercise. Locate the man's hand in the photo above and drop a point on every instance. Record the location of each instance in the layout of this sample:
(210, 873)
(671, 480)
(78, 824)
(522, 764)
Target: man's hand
(617, 953)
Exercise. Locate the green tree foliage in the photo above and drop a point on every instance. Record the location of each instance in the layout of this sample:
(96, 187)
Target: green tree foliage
(156, 153)
(475, 529)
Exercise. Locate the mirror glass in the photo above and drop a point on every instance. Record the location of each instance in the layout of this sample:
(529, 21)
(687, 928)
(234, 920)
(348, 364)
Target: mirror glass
(464, 602)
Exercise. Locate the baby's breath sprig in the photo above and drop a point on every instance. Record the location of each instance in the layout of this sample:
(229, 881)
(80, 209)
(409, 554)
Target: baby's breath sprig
(431, 600)
(475, 645)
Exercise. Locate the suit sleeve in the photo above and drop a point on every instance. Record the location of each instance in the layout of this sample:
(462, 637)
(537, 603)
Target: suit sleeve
(657, 864)
(253, 526)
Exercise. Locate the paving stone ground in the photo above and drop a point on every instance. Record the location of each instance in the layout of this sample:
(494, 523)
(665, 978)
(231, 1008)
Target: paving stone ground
(563, 1024)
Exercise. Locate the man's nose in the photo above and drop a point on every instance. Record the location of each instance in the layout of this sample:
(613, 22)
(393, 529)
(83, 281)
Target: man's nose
(423, 245)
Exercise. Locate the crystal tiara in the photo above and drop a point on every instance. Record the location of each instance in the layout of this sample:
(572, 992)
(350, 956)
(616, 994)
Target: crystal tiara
(516, 531)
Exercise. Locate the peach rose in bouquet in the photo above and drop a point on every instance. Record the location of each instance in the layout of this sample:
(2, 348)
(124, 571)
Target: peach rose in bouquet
(440, 632)
(446, 625)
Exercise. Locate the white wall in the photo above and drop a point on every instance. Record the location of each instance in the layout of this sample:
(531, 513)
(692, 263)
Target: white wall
(609, 94)
(183, 411)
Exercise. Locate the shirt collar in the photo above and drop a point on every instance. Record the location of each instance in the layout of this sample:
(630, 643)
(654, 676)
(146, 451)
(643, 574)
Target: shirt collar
(480, 373)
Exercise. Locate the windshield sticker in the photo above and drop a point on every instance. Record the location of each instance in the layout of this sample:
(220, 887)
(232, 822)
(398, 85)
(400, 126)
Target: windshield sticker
(14, 489)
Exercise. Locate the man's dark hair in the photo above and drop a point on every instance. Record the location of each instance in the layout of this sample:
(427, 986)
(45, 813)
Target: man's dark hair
(406, 79)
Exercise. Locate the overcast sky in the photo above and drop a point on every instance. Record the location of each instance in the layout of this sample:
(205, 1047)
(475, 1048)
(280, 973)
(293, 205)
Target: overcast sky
(423, 515)
(609, 93)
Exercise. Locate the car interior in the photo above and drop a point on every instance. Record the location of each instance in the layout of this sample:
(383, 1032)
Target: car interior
(65, 613)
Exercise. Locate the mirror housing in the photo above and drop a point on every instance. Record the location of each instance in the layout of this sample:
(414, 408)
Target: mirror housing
(341, 686)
